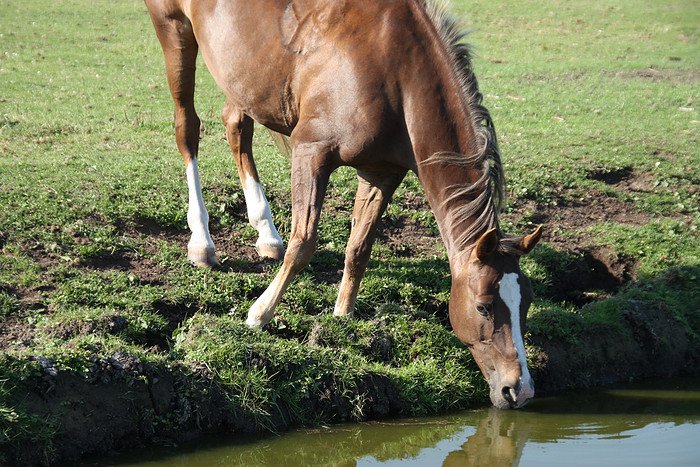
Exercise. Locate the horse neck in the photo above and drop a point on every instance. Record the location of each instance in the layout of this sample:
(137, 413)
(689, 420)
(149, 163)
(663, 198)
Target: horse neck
(452, 185)
(445, 139)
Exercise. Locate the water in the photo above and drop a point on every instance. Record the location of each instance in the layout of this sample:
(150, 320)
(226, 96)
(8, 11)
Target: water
(658, 424)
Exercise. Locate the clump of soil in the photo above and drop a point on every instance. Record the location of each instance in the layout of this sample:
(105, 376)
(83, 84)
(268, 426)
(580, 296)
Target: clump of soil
(650, 343)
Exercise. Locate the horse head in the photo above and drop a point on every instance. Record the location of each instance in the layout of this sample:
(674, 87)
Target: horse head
(488, 307)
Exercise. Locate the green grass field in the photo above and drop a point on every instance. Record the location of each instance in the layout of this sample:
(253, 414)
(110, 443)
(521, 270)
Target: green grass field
(596, 107)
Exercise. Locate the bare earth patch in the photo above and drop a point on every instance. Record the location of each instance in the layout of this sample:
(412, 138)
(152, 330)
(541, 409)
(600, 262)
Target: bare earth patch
(590, 272)
(673, 75)
(16, 332)
(625, 179)
(146, 270)
(407, 238)
(564, 223)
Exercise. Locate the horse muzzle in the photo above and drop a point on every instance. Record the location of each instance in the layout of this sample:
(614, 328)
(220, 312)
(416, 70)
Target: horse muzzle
(510, 394)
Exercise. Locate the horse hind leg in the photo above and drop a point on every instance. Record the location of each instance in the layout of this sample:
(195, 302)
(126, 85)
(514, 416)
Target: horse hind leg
(374, 191)
(239, 132)
(180, 48)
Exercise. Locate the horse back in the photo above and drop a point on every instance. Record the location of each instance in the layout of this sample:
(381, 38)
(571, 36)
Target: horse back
(331, 67)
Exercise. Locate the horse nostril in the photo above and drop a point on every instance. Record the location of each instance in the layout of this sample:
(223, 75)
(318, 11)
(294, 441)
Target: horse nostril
(509, 394)
(513, 395)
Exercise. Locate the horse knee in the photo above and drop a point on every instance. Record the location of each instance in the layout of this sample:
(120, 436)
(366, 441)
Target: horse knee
(357, 253)
(299, 254)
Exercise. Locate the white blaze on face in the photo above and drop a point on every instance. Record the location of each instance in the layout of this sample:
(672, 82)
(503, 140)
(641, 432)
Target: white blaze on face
(509, 290)
(197, 216)
(259, 214)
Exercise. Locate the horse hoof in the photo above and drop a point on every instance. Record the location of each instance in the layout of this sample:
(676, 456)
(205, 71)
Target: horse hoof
(202, 257)
(343, 311)
(343, 314)
(254, 323)
(256, 320)
(270, 250)
(259, 313)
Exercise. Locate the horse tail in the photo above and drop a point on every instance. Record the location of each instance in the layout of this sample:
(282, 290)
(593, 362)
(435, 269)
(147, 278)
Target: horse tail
(282, 142)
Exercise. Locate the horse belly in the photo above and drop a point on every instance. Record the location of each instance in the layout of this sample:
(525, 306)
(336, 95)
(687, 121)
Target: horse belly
(243, 50)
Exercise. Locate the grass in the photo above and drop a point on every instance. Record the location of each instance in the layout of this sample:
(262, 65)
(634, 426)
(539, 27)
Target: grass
(595, 104)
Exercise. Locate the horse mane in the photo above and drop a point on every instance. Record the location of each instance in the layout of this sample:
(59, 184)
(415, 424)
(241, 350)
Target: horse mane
(486, 206)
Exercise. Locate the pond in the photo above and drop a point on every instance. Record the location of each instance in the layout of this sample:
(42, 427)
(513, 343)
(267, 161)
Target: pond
(654, 424)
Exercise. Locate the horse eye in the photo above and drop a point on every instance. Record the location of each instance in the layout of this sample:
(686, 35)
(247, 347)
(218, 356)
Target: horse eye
(483, 308)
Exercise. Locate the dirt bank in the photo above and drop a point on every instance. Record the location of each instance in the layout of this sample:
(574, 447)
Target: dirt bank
(121, 403)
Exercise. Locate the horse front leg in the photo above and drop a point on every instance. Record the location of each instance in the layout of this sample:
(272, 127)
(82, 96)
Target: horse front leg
(310, 174)
(239, 132)
(374, 191)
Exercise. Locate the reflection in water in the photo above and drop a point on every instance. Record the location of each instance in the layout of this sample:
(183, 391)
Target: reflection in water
(614, 427)
(497, 441)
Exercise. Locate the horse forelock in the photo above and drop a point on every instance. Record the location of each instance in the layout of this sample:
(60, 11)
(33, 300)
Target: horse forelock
(488, 204)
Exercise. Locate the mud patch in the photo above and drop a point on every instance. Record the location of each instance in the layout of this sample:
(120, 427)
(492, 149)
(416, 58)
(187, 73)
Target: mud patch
(625, 179)
(565, 222)
(16, 332)
(406, 238)
(146, 270)
(610, 177)
(237, 255)
(148, 227)
(580, 276)
(112, 324)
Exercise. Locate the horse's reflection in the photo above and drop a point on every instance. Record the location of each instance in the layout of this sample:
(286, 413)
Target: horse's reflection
(498, 440)
(482, 437)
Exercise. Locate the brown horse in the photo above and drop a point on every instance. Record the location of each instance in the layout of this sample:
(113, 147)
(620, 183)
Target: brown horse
(384, 86)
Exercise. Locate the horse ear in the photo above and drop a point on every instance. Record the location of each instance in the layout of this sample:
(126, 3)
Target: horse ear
(486, 244)
(528, 242)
